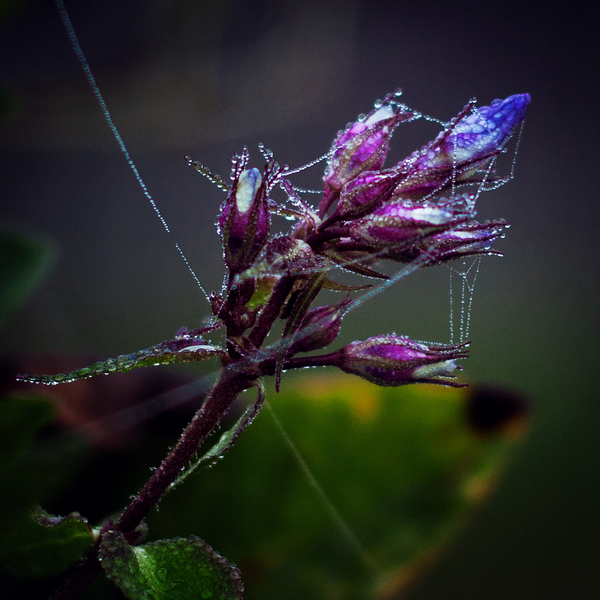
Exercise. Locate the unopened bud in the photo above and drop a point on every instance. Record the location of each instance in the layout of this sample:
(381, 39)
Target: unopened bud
(463, 148)
(470, 239)
(391, 360)
(245, 221)
(320, 327)
(362, 146)
(398, 223)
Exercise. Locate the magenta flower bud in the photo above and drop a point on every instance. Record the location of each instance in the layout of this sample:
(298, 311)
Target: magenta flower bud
(469, 239)
(399, 222)
(244, 221)
(320, 327)
(391, 360)
(362, 146)
(365, 193)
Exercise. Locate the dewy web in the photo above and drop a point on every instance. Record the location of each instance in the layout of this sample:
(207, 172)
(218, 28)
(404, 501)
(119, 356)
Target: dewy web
(461, 288)
(462, 278)
(461, 299)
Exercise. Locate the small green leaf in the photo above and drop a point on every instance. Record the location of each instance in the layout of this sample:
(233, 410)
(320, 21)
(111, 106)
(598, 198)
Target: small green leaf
(45, 545)
(20, 419)
(229, 437)
(178, 569)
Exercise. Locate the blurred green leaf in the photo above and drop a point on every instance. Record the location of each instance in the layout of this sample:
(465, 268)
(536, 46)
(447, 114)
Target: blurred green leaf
(23, 265)
(32, 473)
(402, 466)
(20, 420)
(179, 569)
(43, 545)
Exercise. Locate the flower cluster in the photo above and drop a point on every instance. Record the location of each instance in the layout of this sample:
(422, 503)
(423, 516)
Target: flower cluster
(420, 211)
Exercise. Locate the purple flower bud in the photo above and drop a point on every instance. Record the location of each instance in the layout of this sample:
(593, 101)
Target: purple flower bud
(469, 239)
(244, 221)
(320, 327)
(463, 148)
(391, 360)
(398, 222)
(362, 146)
(483, 132)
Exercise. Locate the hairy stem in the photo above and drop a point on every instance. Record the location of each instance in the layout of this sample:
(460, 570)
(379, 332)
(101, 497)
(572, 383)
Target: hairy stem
(271, 311)
(216, 404)
(230, 384)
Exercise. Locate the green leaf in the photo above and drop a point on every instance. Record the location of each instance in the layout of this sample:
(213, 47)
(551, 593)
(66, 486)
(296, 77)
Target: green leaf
(23, 265)
(178, 569)
(403, 468)
(41, 545)
(20, 419)
(182, 349)
(45, 545)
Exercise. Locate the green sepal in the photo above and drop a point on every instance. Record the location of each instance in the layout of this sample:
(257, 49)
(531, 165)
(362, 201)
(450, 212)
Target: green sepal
(45, 545)
(334, 286)
(181, 349)
(177, 569)
(264, 289)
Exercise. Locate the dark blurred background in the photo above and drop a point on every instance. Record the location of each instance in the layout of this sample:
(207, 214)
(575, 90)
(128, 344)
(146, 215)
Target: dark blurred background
(205, 78)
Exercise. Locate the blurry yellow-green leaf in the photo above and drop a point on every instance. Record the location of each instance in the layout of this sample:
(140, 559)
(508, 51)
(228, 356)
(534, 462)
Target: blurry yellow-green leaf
(402, 466)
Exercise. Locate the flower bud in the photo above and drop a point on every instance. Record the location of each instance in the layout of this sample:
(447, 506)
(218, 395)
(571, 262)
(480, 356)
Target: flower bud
(244, 221)
(469, 239)
(463, 148)
(362, 146)
(391, 360)
(365, 193)
(475, 137)
(397, 223)
(320, 327)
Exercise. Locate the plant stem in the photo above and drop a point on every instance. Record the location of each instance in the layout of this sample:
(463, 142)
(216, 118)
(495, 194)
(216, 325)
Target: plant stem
(230, 384)
(216, 404)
